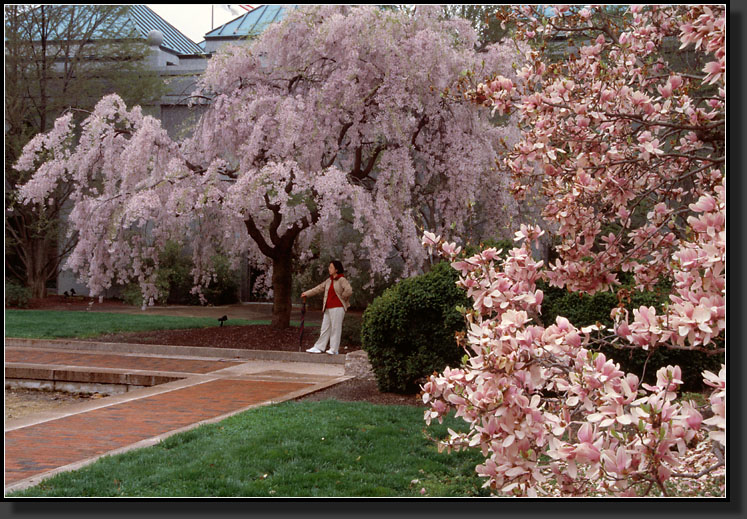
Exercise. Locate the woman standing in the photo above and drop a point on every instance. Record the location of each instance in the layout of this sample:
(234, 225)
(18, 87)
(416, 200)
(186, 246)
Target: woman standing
(337, 292)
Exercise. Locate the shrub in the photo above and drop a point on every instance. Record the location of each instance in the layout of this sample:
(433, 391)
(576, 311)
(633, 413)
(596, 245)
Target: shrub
(174, 274)
(16, 294)
(222, 291)
(175, 281)
(351, 329)
(132, 295)
(503, 244)
(408, 332)
(584, 310)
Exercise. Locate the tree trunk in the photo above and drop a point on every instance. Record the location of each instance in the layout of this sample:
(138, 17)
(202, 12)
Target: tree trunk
(38, 285)
(282, 284)
(36, 277)
(282, 260)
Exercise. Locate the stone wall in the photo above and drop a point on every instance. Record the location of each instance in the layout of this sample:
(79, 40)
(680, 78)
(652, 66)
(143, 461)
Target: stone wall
(358, 366)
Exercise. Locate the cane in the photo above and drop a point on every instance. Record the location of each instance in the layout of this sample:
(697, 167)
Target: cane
(300, 334)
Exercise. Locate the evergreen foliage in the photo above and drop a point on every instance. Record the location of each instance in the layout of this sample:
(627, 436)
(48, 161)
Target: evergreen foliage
(408, 332)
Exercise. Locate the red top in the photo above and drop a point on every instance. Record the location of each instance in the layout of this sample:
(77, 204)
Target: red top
(332, 300)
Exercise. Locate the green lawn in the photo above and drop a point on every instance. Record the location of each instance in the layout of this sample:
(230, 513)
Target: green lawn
(324, 448)
(48, 324)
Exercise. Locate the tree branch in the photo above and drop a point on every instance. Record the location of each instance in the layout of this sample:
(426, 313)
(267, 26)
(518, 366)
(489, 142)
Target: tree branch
(421, 125)
(256, 235)
(699, 474)
(276, 219)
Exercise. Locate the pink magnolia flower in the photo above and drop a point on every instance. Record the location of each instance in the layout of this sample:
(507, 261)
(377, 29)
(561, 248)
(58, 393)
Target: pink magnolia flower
(590, 131)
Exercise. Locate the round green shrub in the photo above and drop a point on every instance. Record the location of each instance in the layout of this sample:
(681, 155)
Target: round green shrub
(408, 331)
(16, 294)
(584, 310)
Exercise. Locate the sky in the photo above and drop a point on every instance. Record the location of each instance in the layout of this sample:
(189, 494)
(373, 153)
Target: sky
(194, 20)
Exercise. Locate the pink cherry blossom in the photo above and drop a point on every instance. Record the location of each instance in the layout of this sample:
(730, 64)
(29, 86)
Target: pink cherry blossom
(336, 110)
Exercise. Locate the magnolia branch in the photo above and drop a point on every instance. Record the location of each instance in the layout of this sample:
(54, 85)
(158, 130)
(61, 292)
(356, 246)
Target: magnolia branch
(669, 346)
(605, 30)
(700, 474)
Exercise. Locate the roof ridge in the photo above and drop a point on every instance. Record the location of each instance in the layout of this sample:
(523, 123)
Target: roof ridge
(174, 39)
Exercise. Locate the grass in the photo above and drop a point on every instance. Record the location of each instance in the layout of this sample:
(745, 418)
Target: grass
(294, 449)
(49, 324)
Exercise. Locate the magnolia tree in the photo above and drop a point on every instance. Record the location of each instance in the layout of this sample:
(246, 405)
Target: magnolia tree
(337, 115)
(631, 154)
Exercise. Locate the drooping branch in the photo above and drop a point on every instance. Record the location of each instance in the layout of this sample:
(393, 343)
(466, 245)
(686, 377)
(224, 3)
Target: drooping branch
(359, 172)
(231, 173)
(340, 138)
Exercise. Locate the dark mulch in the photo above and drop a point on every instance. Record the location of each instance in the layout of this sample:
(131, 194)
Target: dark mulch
(254, 337)
(55, 302)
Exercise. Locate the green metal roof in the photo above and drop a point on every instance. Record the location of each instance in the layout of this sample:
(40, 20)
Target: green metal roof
(146, 20)
(251, 23)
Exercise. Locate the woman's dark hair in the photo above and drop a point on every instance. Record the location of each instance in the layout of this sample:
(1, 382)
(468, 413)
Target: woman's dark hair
(338, 266)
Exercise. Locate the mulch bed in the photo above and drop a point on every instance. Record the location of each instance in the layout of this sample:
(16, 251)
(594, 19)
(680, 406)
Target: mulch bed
(55, 302)
(254, 337)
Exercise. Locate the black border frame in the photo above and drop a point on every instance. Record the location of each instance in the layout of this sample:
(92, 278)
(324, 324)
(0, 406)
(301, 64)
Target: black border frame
(731, 506)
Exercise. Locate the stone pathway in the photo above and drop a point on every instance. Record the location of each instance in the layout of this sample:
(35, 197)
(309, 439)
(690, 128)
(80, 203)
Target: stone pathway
(202, 389)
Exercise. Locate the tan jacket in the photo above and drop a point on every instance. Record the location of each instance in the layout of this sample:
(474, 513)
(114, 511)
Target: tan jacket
(342, 289)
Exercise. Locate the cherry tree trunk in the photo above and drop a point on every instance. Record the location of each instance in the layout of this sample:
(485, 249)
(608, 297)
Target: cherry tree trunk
(282, 282)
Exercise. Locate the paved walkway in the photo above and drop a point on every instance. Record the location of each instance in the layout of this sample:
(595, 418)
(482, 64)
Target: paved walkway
(202, 389)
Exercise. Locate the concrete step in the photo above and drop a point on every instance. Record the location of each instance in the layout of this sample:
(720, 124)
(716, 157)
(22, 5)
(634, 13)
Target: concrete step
(177, 351)
(107, 381)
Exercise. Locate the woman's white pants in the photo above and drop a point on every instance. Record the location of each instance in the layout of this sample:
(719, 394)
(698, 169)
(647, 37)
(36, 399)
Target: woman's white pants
(331, 330)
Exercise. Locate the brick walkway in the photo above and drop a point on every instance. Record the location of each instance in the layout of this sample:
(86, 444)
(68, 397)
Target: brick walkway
(43, 445)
